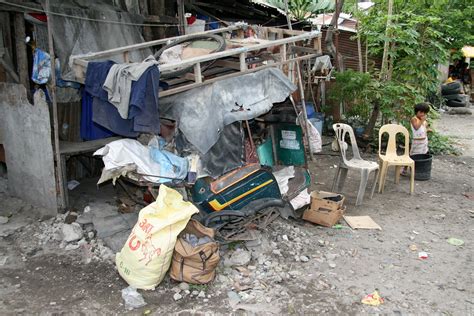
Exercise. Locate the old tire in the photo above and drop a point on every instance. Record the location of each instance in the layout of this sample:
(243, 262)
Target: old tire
(457, 97)
(456, 103)
(451, 88)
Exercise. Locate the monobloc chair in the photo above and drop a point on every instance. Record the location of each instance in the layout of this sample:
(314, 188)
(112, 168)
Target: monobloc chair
(355, 163)
(391, 158)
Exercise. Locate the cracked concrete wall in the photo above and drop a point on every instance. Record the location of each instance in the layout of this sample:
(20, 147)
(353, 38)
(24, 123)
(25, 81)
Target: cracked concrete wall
(25, 131)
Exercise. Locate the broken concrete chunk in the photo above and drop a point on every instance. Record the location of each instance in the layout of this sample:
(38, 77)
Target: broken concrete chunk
(71, 232)
(3, 219)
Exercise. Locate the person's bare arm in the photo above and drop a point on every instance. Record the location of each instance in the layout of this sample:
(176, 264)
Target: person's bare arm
(416, 123)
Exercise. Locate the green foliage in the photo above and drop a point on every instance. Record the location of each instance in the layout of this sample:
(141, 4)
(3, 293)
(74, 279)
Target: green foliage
(304, 9)
(441, 145)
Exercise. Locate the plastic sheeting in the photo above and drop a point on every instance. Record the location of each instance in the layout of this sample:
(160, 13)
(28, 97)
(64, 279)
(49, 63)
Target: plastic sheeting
(75, 36)
(203, 112)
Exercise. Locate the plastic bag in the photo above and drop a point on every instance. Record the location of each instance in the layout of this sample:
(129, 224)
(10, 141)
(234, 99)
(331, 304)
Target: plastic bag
(146, 255)
(315, 142)
(41, 67)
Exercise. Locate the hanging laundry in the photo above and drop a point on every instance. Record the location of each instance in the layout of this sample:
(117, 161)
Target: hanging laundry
(143, 115)
(118, 83)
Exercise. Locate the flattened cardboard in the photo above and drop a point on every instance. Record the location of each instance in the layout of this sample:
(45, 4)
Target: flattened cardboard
(361, 222)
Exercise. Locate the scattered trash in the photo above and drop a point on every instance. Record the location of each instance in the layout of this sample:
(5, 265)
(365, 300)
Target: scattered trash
(338, 226)
(132, 298)
(455, 241)
(413, 248)
(422, 255)
(361, 222)
(71, 185)
(3, 219)
(373, 299)
(415, 232)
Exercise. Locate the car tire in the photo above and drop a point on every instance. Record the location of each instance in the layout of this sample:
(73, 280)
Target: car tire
(457, 97)
(451, 88)
(456, 103)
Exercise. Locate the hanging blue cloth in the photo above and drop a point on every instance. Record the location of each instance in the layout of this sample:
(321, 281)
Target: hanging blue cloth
(143, 114)
(89, 129)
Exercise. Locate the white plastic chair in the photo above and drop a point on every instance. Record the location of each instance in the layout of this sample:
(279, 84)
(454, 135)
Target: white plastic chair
(355, 163)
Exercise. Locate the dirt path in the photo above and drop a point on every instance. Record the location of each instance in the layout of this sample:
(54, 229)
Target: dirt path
(295, 267)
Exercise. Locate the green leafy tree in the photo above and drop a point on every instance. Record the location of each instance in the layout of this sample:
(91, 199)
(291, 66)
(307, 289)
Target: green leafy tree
(304, 9)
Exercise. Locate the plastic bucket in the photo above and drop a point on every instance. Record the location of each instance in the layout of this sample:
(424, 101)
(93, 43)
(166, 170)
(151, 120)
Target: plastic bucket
(422, 166)
(318, 121)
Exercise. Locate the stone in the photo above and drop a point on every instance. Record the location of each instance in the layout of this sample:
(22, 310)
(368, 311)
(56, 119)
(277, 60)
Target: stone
(194, 293)
(3, 219)
(202, 294)
(71, 247)
(234, 298)
(284, 237)
(240, 257)
(277, 252)
(330, 256)
(304, 259)
(183, 286)
(71, 232)
(177, 296)
(332, 265)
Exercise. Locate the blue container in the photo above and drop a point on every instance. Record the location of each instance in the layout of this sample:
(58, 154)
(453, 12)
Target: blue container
(310, 113)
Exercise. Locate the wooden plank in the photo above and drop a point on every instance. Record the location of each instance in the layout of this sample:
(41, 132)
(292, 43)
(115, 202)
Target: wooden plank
(81, 61)
(75, 148)
(232, 75)
(119, 50)
(243, 64)
(60, 177)
(21, 56)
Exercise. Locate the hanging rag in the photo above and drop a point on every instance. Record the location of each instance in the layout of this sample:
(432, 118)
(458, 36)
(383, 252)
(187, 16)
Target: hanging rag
(118, 83)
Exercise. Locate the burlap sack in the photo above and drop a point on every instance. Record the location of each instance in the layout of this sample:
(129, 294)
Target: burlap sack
(195, 265)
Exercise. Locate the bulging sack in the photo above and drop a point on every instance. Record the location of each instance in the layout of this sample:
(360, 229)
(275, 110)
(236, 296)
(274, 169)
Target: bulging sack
(195, 263)
(146, 256)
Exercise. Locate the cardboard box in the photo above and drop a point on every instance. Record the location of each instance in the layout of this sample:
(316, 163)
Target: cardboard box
(319, 200)
(323, 217)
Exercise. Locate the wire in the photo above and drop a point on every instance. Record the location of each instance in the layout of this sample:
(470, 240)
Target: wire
(90, 19)
(118, 22)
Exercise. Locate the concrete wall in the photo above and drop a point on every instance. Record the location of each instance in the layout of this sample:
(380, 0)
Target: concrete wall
(26, 136)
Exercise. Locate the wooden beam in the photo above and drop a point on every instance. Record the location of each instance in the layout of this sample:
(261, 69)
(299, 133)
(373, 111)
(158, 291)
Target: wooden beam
(116, 51)
(232, 75)
(60, 164)
(21, 56)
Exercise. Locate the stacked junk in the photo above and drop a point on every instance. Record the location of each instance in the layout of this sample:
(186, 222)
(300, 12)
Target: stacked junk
(229, 158)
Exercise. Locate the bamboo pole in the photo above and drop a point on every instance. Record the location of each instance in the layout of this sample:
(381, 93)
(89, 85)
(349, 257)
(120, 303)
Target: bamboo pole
(59, 172)
(303, 122)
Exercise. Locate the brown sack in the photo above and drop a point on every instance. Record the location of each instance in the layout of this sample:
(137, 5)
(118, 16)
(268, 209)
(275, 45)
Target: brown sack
(195, 264)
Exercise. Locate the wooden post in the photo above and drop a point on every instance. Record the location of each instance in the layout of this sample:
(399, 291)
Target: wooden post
(197, 73)
(243, 64)
(21, 56)
(303, 122)
(181, 18)
(59, 168)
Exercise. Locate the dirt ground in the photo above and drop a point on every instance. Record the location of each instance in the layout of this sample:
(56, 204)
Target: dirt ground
(295, 267)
